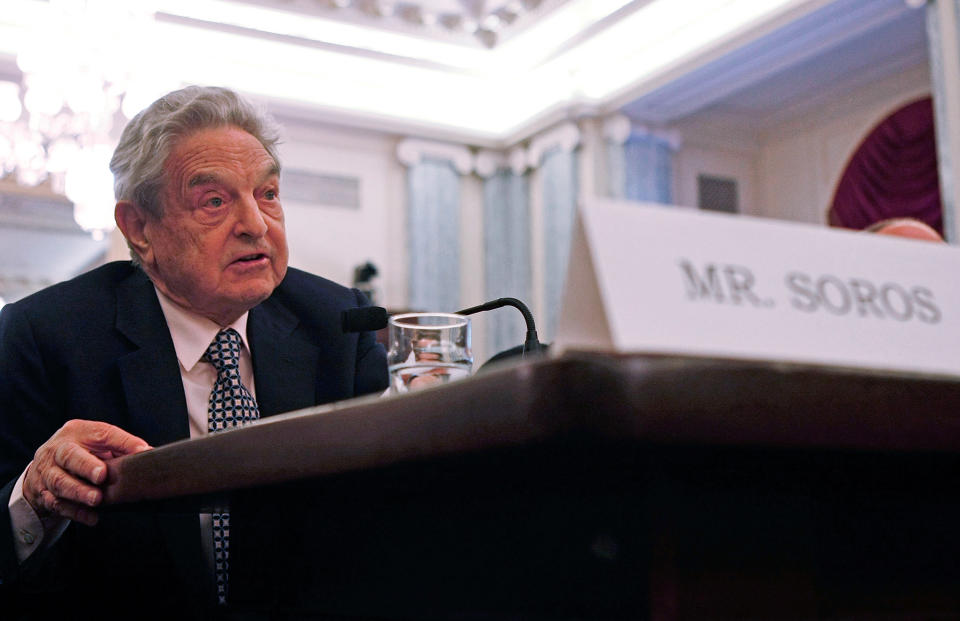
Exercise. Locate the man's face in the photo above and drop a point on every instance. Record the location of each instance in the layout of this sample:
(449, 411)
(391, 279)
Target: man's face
(220, 247)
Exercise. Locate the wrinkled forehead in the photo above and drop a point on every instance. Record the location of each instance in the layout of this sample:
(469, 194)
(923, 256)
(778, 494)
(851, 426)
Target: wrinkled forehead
(210, 155)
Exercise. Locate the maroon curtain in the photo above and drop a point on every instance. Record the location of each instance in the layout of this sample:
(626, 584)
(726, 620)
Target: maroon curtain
(893, 173)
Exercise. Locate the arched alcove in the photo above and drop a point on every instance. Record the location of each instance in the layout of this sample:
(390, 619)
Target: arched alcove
(892, 173)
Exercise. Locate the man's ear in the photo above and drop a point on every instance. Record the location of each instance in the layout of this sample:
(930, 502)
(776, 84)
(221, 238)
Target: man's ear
(132, 222)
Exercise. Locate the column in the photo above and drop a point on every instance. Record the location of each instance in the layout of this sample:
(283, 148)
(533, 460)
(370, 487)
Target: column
(943, 30)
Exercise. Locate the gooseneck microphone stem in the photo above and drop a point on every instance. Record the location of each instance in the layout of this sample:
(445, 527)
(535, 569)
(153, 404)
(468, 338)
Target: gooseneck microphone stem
(532, 343)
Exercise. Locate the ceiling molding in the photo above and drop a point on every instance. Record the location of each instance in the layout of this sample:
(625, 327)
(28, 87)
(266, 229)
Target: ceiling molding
(565, 136)
(499, 96)
(616, 128)
(489, 161)
(439, 97)
(412, 151)
(477, 23)
(814, 35)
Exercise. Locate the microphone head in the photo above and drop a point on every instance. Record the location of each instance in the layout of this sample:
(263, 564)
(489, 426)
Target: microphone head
(364, 319)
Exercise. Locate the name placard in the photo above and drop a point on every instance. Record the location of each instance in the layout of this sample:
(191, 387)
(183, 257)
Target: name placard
(655, 279)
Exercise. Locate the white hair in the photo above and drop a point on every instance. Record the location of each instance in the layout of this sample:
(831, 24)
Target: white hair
(145, 144)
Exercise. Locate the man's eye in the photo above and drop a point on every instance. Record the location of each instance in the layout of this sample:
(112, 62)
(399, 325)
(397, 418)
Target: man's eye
(270, 195)
(215, 202)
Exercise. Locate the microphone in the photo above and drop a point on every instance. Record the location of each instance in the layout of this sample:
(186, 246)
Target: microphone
(532, 344)
(364, 319)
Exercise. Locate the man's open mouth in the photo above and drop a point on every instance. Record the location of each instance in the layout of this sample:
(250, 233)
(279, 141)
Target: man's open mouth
(250, 258)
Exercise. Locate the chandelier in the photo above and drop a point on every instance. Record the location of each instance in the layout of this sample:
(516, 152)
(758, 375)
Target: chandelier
(60, 123)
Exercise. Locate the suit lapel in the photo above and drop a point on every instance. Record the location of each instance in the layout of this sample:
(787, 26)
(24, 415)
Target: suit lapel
(158, 410)
(150, 375)
(284, 367)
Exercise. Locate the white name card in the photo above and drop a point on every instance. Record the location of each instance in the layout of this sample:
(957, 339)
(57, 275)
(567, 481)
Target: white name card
(655, 279)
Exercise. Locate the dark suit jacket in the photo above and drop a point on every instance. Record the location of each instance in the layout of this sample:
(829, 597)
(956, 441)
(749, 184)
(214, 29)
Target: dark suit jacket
(97, 347)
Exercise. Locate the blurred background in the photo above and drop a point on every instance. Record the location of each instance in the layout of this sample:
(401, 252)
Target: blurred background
(434, 151)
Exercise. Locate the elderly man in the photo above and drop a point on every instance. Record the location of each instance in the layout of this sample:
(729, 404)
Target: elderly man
(205, 329)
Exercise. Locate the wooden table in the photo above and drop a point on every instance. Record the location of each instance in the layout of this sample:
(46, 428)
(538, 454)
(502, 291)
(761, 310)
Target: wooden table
(591, 487)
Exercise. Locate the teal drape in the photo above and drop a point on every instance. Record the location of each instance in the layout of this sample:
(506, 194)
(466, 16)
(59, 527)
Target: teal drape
(558, 172)
(506, 244)
(433, 235)
(641, 169)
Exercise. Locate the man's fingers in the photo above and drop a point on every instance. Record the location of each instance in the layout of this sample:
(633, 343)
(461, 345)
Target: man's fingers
(99, 437)
(77, 460)
(67, 509)
(64, 486)
(68, 468)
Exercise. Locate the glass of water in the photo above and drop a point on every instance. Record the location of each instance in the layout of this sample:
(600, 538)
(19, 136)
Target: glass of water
(428, 349)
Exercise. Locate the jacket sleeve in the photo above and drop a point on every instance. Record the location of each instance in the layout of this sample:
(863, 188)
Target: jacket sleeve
(29, 415)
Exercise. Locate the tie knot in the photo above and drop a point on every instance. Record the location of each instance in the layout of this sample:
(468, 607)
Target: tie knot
(224, 351)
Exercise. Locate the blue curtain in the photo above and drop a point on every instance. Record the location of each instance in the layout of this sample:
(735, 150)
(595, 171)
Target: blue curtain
(559, 178)
(506, 245)
(641, 169)
(433, 235)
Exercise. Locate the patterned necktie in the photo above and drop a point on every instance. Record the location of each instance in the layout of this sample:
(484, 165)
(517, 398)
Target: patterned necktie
(231, 405)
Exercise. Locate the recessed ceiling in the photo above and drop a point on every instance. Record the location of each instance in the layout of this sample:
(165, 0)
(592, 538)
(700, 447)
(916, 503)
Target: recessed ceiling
(342, 60)
(834, 50)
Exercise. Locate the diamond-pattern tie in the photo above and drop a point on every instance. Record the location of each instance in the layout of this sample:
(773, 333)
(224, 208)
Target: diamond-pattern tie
(231, 405)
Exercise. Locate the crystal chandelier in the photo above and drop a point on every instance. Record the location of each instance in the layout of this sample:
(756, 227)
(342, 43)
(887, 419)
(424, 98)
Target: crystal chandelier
(60, 124)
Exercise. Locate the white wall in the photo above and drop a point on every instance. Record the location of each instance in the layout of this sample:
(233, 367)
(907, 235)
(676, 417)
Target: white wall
(801, 161)
(695, 160)
(789, 169)
(716, 144)
(331, 241)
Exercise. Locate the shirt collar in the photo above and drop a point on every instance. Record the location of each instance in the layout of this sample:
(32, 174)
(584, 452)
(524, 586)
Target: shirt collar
(192, 334)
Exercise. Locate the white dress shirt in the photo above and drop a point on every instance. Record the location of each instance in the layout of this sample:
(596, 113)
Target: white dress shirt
(191, 335)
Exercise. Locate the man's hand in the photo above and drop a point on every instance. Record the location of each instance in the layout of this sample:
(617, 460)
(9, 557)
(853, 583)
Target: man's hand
(67, 470)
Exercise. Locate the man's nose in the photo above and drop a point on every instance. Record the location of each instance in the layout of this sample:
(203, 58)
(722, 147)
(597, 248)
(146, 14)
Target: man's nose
(250, 220)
